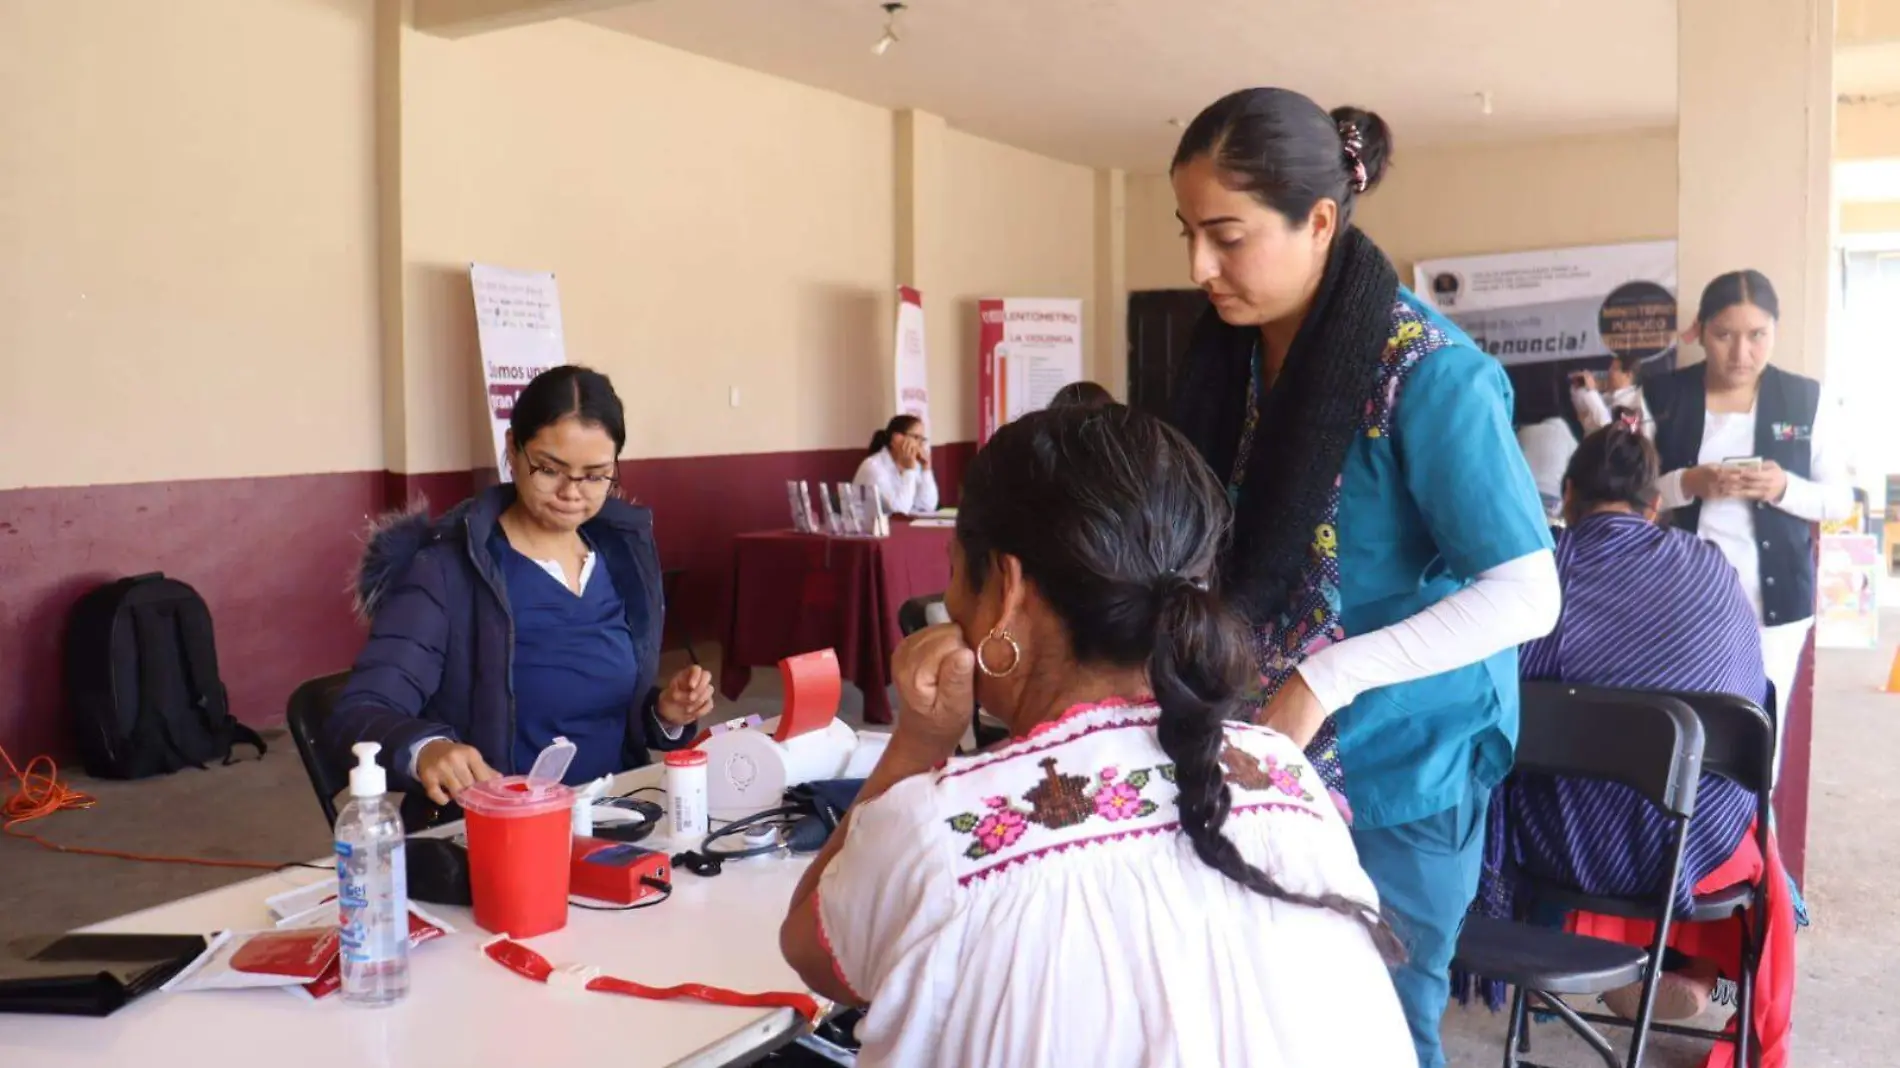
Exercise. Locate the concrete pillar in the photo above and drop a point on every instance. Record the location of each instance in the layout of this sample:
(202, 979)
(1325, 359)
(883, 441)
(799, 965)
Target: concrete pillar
(1109, 347)
(921, 240)
(1755, 141)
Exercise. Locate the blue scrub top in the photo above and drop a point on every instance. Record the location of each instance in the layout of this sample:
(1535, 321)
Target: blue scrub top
(1422, 510)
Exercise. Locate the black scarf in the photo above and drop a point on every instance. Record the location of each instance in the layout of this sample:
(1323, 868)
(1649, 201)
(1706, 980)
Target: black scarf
(1308, 420)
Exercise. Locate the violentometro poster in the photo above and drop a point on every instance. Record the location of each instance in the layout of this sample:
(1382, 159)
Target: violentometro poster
(518, 327)
(1028, 349)
(912, 370)
(1559, 304)
(1849, 581)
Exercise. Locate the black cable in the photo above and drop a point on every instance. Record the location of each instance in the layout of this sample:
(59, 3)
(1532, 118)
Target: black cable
(304, 864)
(665, 889)
(779, 818)
(643, 790)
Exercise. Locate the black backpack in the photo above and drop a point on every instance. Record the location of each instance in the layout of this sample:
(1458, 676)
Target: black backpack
(142, 681)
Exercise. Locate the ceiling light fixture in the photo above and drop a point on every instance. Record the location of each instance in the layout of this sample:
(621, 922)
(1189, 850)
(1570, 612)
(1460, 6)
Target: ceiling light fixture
(1484, 101)
(890, 37)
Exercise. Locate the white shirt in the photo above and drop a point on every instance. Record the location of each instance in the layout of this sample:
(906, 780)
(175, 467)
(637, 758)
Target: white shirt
(911, 492)
(986, 925)
(1547, 448)
(1515, 602)
(1730, 524)
(1594, 412)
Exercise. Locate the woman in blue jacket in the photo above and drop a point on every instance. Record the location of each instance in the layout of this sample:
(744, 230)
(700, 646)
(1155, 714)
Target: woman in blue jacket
(1389, 546)
(530, 611)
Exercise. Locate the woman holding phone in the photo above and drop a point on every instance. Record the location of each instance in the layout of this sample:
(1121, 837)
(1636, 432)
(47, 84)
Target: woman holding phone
(1751, 464)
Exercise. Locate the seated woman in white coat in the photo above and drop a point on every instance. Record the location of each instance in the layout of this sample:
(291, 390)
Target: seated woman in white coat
(898, 464)
(1134, 878)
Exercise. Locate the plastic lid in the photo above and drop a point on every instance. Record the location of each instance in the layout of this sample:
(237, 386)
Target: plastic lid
(551, 765)
(686, 758)
(514, 797)
(367, 778)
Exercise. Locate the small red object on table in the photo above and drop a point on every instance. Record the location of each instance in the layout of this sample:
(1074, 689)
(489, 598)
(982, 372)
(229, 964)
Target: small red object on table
(793, 593)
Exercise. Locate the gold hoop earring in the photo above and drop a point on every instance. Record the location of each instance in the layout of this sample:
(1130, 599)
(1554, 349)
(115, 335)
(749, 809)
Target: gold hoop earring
(1016, 653)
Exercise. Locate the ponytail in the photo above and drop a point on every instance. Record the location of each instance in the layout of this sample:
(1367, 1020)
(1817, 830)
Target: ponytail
(1117, 520)
(879, 442)
(1200, 658)
(1616, 465)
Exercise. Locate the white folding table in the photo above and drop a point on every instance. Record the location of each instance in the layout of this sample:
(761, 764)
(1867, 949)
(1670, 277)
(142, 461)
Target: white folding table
(464, 1010)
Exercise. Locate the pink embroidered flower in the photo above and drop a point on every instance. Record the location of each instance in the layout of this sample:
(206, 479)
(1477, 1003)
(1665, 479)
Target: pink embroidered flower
(1119, 801)
(996, 802)
(1283, 779)
(1109, 773)
(1000, 829)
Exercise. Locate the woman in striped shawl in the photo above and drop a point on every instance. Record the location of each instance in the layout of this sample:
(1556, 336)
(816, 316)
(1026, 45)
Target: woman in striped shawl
(1645, 607)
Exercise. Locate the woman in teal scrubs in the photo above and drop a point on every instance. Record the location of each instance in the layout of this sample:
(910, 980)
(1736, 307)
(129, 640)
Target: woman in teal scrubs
(1389, 545)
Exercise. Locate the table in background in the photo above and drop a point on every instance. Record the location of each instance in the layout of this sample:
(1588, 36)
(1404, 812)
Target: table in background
(463, 1009)
(797, 593)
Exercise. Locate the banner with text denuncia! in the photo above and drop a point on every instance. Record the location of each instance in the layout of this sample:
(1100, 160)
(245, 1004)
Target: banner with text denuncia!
(1560, 304)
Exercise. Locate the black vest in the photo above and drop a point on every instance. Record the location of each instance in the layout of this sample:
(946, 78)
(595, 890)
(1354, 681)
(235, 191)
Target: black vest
(1784, 424)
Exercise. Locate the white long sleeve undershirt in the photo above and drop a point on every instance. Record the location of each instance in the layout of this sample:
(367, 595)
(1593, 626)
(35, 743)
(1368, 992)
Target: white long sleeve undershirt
(1505, 606)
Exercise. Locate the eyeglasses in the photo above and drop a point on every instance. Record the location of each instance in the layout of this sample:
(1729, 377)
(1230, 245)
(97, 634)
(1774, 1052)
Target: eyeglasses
(554, 480)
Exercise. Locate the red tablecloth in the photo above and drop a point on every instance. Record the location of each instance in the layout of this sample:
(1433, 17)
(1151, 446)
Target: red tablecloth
(798, 593)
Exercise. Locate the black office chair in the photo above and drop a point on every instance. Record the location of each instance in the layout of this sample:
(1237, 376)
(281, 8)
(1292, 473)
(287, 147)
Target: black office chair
(1649, 742)
(310, 706)
(1739, 745)
(914, 615)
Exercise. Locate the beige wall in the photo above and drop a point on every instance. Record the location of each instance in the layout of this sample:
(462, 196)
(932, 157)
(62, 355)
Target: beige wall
(710, 228)
(1157, 254)
(1018, 225)
(187, 240)
(1468, 199)
(1471, 199)
(1882, 217)
(1867, 131)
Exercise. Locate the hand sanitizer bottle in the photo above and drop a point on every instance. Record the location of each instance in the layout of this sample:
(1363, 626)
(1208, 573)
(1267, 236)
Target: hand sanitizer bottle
(372, 888)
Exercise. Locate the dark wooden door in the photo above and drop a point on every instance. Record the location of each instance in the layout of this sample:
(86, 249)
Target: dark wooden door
(1160, 321)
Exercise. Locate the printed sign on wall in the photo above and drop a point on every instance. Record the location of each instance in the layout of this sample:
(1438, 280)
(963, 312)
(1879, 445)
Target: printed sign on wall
(913, 370)
(518, 327)
(1028, 349)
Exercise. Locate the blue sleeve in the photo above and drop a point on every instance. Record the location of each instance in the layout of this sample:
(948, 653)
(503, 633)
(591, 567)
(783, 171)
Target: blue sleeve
(396, 674)
(1462, 463)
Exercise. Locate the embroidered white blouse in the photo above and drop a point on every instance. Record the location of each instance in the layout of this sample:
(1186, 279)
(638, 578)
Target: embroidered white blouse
(1037, 905)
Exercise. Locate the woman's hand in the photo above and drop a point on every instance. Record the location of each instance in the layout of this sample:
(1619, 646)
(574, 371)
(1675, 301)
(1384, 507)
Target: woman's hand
(685, 699)
(446, 767)
(935, 673)
(1294, 711)
(1766, 483)
(904, 451)
(1711, 482)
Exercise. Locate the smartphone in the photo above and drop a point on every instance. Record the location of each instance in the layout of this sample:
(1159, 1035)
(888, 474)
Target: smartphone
(1743, 463)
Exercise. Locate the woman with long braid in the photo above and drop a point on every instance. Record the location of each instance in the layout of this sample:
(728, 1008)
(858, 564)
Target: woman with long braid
(1135, 878)
(1389, 547)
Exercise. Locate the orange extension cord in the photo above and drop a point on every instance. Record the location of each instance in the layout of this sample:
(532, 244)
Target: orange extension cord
(41, 794)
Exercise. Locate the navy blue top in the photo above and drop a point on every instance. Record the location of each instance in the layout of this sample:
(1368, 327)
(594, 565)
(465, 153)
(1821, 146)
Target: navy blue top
(576, 673)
